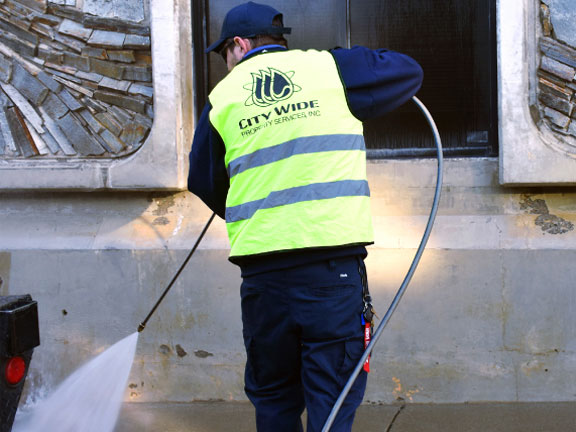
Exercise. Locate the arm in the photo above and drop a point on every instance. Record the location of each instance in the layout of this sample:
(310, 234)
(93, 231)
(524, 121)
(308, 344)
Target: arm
(377, 81)
(208, 178)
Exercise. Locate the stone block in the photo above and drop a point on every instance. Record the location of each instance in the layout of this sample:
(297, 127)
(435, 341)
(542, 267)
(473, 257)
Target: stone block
(31, 88)
(75, 87)
(50, 142)
(112, 84)
(79, 137)
(107, 68)
(98, 21)
(123, 56)
(22, 47)
(91, 121)
(64, 11)
(107, 39)
(5, 69)
(43, 18)
(122, 116)
(556, 68)
(48, 54)
(58, 69)
(20, 133)
(10, 145)
(98, 53)
(70, 42)
(141, 90)
(69, 100)
(572, 128)
(4, 100)
(128, 102)
(138, 73)
(139, 42)
(563, 17)
(134, 133)
(79, 62)
(57, 133)
(559, 104)
(43, 30)
(89, 76)
(112, 142)
(37, 5)
(75, 29)
(54, 107)
(109, 122)
(557, 118)
(554, 89)
(557, 51)
(93, 105)
(24, 106)
(2, 144)
(17, 31)
(49, 82)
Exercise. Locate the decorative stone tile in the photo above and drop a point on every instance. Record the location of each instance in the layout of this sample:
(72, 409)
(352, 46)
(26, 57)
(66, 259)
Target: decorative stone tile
(46, 53)
(20, 134)
(42, 18)
(111, 124)
(141, 90)
(50, 142)
(49, 82)
(123, 56)
(133, 133)
(130, 103)
(64, 11)
(69, 100)
(123, 116)
(554, 89)
(133, 41)
(559, 104)
(21, 46)
(5, 69)
(76, 61)
(98, 53)
(24, 106)
(57, 133)
(70, 42)
(73, 28)
(75, 87)
(79, 137)
(113, 143)
(89, 76)
(118, 25)
(557, 118)
(107, 68)
(54, 107)
(112, 84)
(68, 70)
(31, 88)
(556, 68)
(43, 30)
(10, 145)
(107, 39)
(138, 73)
(91, 121)
(37, 142)
(17, 31)
(37, 5)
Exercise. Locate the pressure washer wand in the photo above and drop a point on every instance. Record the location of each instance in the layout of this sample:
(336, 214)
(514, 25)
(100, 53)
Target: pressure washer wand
(407, 278)
(143, 323)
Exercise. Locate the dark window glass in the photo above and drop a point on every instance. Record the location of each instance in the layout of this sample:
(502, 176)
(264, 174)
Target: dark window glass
(454, 41)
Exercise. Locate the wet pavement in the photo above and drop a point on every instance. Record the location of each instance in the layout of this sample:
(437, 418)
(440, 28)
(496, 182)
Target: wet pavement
(239, 417)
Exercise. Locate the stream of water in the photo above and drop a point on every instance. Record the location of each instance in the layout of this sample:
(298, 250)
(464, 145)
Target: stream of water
(90, 399)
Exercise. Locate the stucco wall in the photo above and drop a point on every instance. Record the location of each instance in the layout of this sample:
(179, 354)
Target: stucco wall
(488, 316)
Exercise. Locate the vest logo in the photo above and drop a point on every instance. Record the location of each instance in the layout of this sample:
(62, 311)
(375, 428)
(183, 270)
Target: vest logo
(270, 86)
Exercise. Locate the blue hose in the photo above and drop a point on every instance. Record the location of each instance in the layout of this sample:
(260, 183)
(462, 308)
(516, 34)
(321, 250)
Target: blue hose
(408, 277)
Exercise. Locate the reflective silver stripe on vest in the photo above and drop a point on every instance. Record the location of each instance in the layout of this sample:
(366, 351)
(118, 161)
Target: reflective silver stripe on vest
(312, 144)
(316, 191)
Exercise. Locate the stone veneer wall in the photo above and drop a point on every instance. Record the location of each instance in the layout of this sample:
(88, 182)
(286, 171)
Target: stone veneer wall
(557, 71)
(72, 84)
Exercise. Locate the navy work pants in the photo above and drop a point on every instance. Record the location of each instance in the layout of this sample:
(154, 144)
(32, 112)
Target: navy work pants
(303, 335)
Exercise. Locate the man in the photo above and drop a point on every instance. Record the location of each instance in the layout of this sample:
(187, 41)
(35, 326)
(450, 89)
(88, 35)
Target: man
(279, 153)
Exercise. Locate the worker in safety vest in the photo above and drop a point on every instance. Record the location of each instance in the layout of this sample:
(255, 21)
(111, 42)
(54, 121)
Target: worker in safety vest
(279, 154)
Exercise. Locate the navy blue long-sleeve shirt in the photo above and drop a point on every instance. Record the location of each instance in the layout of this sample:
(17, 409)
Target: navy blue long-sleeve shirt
(376, 82)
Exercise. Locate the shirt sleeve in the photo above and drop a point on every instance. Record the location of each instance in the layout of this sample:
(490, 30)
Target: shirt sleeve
(377, 81)
(208, 177)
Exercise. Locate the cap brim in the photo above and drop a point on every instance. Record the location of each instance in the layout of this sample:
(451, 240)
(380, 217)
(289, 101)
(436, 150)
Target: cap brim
(215, 46)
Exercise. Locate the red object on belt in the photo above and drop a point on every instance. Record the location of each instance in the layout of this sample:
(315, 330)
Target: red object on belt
(367, 337)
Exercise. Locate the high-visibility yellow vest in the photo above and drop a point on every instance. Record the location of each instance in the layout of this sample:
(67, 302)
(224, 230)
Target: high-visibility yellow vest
(295, 155)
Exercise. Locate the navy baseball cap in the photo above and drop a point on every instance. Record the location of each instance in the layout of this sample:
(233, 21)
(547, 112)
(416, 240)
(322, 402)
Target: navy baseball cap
(248, 20)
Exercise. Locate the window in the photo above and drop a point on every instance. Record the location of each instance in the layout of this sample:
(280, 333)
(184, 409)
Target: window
(453, 41)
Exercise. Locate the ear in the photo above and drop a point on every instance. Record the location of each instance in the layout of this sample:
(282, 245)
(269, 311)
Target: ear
(244, 44)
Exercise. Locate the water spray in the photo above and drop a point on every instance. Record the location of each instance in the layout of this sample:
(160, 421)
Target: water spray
(408, 277)
(142, 325)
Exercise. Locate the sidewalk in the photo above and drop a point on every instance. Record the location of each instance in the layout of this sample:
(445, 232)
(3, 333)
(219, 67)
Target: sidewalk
(239, 417)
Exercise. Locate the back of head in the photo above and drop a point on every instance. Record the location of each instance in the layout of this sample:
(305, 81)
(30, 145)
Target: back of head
(258, 22)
